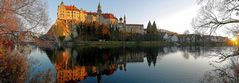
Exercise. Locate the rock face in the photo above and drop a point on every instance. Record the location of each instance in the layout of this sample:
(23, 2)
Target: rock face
(60, 29)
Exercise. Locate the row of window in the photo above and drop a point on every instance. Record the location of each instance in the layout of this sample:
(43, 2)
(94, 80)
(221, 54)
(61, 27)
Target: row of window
(69, 12)
(62, 15)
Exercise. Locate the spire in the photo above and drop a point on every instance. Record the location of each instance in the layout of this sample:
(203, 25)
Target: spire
(99, 10)
(99, 6)
(124, 19)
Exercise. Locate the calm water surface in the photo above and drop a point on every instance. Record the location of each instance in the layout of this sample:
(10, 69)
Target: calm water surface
(124, 65)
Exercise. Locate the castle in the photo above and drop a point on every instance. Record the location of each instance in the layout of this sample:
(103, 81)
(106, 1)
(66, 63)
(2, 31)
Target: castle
(79, 15)
(69, 13)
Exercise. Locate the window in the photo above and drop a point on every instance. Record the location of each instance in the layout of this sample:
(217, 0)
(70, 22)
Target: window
(62, 15)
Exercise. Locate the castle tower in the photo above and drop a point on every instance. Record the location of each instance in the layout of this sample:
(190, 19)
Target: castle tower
(62, 3)
(121, 20)
(60, 7)
(99, 10)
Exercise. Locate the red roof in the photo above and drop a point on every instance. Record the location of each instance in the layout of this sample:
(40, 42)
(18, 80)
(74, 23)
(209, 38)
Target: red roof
(108, 15)
(72, 8)
(91, 13)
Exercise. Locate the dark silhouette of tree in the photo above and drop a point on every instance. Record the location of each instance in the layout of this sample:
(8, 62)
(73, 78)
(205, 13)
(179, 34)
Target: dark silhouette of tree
(149, 28)
(152, 31)
(154, 27)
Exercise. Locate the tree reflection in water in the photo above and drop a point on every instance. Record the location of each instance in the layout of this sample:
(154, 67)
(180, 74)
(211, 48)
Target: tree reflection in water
(15, 67)
(72, 65)
(227, 73)
(76, 64)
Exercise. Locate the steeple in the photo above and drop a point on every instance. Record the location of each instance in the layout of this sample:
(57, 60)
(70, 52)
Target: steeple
(124, 19)
(99, 10)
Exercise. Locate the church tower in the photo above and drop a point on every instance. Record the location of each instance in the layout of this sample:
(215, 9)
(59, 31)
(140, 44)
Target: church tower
(99, 10)
(124, 19)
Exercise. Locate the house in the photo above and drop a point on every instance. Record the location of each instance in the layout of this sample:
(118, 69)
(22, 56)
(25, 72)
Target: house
(170, 38)
(174, 38)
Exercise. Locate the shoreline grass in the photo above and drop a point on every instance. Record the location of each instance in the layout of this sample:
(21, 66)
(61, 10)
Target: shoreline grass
(122, 43)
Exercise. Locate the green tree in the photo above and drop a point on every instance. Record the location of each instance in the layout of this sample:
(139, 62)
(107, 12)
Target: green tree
(149, 27)
(152, 31)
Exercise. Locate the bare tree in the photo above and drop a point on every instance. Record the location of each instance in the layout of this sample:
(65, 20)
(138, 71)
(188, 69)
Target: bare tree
(27, 15)
(216, 14)
(18, 15)
(186, 32)
(223, 74)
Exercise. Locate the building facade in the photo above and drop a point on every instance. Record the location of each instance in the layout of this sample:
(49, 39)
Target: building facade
(79, 15)
(130, 28)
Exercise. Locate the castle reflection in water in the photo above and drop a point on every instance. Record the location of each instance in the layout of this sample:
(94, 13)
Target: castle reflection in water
(76, 64)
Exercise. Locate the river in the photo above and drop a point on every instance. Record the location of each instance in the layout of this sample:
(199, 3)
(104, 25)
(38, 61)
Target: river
(127, 65)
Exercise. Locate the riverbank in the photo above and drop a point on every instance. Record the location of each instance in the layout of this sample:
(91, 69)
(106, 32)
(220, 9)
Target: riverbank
(136, 44)
(44, 44)
(121, 43)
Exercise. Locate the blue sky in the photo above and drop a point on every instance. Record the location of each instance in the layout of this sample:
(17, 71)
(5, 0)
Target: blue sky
(173, 15)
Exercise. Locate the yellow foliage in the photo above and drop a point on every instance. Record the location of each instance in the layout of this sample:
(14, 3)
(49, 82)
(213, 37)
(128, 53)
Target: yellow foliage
(1, 52)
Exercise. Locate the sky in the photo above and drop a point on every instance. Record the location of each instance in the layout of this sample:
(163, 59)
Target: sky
(173, 15)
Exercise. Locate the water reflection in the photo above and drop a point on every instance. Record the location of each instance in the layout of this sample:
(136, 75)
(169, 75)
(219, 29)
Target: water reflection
(76, 64)
(18, 67)
(120, 65)
(224, 73)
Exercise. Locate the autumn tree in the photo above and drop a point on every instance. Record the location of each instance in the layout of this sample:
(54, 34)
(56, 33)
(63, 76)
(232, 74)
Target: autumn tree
(104, 31)
(22, 15)
(215, 14)
(26, 14)
(15, 16)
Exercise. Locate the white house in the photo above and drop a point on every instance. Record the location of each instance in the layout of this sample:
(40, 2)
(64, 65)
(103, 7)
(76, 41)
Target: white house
(174, 38)
(166, 36)
(170, 38)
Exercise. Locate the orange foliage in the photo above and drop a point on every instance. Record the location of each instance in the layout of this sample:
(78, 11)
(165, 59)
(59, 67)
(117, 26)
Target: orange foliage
(14, 68)
(8, 19)
(6, 44)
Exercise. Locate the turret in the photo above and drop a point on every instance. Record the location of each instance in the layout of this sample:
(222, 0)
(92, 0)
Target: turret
(62, 3)
(121, 20)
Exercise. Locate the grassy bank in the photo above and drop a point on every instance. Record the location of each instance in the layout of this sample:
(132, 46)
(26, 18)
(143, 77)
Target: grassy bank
(122, 43)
